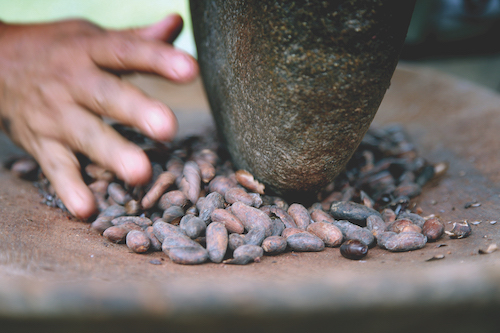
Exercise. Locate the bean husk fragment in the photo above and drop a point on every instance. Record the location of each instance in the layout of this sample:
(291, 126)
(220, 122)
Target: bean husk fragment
(460, 230)
(490, 249)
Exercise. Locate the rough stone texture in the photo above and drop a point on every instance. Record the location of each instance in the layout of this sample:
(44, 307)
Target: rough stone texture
(294, 85)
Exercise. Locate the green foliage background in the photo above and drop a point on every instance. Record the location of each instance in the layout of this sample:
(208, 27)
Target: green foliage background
(107, 13)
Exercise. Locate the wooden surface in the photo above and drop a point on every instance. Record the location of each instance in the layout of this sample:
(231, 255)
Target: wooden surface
(56, 275)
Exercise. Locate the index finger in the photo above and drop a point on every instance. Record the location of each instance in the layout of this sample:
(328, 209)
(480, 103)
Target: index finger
(127, 52)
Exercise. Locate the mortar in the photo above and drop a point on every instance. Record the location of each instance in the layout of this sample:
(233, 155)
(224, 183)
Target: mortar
(294, 85)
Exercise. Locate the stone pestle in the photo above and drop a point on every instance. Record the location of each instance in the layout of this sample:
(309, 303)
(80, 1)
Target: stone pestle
(294, 85)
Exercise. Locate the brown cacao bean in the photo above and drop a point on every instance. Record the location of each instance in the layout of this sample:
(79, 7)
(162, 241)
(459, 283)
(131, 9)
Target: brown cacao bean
(238, 194)
(247, 180)
(274, 245)
(255, 236)
(405, 241)
(351, 211)
(101, 223)
(354, 249)
(217, 241)
(300, 215)
(251, 217)
(245, 254)
(327, 232)
(221, 184)
(321, 216)
(172, 198)
(291, 231)
(211, 202)
(188, 255)
(155, 243)
(433, 229)
(173, 214)
(118, 194)
(138, 241)
(192, 226)
(305, 242)
(142, 222)
(231, 222)
(235, 241)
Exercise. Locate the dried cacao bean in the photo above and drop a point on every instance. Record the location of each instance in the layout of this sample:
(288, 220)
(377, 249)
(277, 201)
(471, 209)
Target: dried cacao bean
(327, 232)
(217, 241)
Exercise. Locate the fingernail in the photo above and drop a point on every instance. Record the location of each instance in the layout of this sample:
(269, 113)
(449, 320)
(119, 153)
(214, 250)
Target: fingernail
(160, 124)
(134, 166)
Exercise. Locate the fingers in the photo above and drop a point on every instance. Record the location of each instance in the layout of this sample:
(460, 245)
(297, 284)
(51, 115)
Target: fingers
(127, 52)
(165, 30)
(86, 133)
(109, 96)
(61, 167)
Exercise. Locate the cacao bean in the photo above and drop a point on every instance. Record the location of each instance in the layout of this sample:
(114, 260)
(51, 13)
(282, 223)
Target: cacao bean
(305, 242)
(274, 245)
(217, 241)
(354, 249)
(300, 215)
(433, 229)
(138, 241)
(327, 232)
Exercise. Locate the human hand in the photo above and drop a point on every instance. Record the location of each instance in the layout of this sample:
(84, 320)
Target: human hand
(56, 82)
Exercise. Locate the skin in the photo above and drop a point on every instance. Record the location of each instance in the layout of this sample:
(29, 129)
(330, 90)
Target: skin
(56, 82)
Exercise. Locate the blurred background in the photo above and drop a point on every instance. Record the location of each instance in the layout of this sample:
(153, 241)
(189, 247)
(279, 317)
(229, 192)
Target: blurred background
(460, 37)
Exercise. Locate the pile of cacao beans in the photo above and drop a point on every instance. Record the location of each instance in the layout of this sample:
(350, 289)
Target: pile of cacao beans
(197, 208)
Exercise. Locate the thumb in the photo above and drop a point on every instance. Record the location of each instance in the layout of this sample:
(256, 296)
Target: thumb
(165, 30)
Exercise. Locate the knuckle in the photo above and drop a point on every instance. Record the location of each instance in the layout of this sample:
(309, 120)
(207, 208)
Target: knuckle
(123, 50)
(105, 90)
